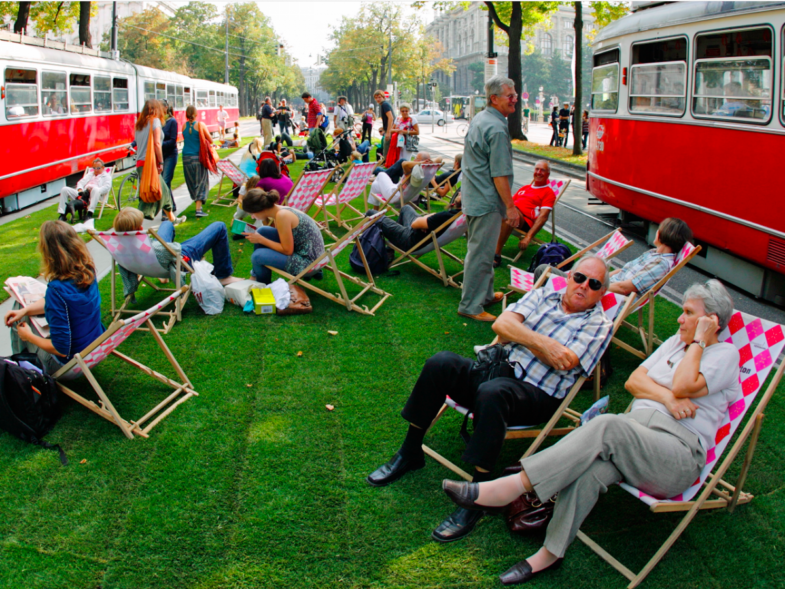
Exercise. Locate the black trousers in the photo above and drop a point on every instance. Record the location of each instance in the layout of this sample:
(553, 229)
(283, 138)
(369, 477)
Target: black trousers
(555, 136)
(367, 128)
(496, 404)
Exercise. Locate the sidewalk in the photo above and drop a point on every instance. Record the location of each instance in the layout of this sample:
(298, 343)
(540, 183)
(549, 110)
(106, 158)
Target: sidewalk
(103, 261)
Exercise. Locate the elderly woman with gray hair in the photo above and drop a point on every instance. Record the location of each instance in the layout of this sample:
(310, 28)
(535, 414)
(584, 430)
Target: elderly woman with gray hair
(682, 392)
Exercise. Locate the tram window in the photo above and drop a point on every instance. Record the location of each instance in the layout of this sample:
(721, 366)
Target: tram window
(160, 91)
(201, 99)
(80, 93)
(187, 96)
(170, 94)
(212, 99)
(658, 77)
(21, 93)
(733, 75)
(54, 100)
(120, 93)
(178, 100)
(102, 94)
(605, 87)
(149, 91)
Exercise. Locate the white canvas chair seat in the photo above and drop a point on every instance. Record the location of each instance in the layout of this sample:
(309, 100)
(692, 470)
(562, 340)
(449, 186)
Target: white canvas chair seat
(236, 176)
(133, 250)
(307, 189)
(105, 345)
(354, 182)
(457, 228)
(613, 306)
(559, 187)
(111, 193)
(759, 343)
(327, 262)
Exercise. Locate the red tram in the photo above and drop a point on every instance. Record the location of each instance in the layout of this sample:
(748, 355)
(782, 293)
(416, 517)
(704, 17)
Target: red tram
(688, 120)
(63, 106)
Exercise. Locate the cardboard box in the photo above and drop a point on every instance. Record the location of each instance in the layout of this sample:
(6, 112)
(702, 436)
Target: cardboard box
(239, 227)
(263, 301)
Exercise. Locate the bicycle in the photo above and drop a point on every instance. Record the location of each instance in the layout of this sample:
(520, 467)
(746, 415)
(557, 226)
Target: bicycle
(462, 129)
(128, 193)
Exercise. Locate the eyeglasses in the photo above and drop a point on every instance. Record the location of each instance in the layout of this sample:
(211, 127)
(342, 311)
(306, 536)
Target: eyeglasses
(579, 278)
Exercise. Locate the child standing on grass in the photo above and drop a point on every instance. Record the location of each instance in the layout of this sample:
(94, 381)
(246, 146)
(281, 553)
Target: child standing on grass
(252, 182)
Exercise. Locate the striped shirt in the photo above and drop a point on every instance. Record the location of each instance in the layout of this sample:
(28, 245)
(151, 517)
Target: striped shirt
(646, 270)
(587, 334)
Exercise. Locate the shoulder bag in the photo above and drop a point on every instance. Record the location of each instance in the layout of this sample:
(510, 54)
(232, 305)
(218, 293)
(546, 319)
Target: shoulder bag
(150, 183)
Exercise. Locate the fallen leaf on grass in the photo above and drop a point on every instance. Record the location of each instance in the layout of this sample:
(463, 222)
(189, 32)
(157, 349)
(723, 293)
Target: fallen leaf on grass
(333, 332)
(446, 333)
(83, 461)
(27, 217)
(249, 385)
(464, 325)
(330, 407)
(239, 251)
(299, 354)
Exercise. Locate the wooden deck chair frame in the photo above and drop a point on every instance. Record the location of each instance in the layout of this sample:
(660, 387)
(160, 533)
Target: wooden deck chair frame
(340, 207)
(520, 233)
(183, 389)
(240, 175)
(410, 256)
(648, 338)
(173, 316)
(550, 428)
(430, 190)
(725, 494)
(105, 200)
(327, 262)
(391, 203)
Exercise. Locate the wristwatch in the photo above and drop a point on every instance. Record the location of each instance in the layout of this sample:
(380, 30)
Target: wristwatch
(702, 344)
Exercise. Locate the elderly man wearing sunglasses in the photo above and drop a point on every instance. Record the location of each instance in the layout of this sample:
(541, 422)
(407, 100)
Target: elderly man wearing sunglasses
(553, 339)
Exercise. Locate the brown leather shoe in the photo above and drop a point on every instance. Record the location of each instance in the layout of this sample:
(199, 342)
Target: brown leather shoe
(484, 316)
(498, 297)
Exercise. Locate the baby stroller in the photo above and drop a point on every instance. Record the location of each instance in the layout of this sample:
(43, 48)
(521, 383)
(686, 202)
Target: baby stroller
(266, 155)
(324, 157)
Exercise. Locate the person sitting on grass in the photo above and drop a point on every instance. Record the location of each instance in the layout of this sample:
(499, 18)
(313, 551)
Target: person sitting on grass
(682, 393)
(212, 238)
(72, 304)
(292, 245)
(411, 228)
(553, 338)
(233, 142)
(535, 202)
(640, 274)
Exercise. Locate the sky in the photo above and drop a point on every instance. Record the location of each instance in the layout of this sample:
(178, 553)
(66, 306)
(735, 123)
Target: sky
(304, 27)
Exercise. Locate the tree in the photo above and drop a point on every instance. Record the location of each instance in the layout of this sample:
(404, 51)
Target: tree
(535, 71)
(84, 24)
(559, 77)
(478, 76)
(20, 26)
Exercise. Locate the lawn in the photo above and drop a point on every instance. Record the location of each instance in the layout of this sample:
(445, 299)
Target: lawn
(255, 484)
(558, 153)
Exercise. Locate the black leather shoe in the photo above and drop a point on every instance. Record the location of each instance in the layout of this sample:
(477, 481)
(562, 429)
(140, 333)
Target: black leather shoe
(522, 572)
(459, 524)
(394, 469)
(465, 494)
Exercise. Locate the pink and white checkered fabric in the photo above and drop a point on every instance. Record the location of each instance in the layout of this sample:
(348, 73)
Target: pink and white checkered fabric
(308, 189)
(759, 344)
(232, 172)
(133, 250)
(685, 251)
(341, 244)
(521, 280)
(558, 187)
(613, 245)
(354, 185)
(118, 337)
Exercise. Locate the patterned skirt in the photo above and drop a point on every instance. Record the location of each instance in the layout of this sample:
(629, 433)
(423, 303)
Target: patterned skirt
(196, 177)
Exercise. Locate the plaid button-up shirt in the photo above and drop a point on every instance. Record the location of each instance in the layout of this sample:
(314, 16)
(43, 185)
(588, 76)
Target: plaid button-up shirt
(646, 270)
(587, 334)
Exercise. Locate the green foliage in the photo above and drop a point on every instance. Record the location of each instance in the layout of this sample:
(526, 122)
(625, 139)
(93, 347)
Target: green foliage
(533, 15)
(478, 76)
(607, 12)
(49, 17)
(535, 72)
(560, 77)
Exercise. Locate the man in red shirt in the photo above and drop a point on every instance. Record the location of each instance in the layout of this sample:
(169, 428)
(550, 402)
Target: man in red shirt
(535, 202)
(314, 112)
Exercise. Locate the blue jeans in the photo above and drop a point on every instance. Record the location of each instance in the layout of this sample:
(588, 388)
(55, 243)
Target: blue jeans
(264, 256)
(213, 237)
(170, 163)
(364, 147)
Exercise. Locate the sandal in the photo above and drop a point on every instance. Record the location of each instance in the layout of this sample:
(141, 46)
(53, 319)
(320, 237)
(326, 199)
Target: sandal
(497, 260)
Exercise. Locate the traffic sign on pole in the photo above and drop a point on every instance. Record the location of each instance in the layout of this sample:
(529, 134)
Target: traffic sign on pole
(386, 94)
(525, 96)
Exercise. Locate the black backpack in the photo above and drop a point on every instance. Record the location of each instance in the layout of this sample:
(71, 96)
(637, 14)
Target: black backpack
(377, 254)
(29, 402)
(551, 254)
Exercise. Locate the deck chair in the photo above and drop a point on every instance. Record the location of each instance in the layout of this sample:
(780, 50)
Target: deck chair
(105, 198)
(455, 178)
(133, 251)
(559, 187)
(236, 176)
(431, 243)
(404, 195)
(354, 183)
(307, 189)
(614, 307)
(327, 262)
(648, 338)
(107, 344)
(759, 343)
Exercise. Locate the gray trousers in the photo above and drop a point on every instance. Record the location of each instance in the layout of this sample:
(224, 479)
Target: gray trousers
(482, 235)
(647, 449)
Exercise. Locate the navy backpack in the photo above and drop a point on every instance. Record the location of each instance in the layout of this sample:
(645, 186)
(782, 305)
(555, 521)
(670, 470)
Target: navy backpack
(551, 254)
(377, 254)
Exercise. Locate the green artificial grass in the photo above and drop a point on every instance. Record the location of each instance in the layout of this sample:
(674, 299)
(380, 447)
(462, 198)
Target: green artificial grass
(255, 484)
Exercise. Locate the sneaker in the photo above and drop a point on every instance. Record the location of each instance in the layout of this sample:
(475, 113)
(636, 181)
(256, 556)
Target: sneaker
(202, 213)
(181, 220)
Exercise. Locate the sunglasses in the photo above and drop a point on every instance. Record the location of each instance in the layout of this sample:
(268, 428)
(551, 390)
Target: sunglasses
(579, 278)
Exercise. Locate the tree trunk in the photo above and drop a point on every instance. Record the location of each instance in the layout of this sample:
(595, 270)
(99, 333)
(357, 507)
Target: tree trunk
(577, 119)
(514, 70)
(20, 26)
(84, 25)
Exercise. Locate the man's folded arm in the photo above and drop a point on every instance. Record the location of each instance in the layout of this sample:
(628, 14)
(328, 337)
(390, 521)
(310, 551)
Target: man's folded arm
(510, 327)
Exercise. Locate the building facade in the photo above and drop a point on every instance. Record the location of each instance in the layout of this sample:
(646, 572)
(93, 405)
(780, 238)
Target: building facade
(464, 35)
(313, 84)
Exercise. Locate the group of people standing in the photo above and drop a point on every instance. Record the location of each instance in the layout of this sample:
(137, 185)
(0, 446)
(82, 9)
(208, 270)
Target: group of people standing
(562, 120)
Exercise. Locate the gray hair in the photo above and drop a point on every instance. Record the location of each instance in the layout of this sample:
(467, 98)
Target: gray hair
(715, 299)
(493, 87)
(404, 105)
(606, 281)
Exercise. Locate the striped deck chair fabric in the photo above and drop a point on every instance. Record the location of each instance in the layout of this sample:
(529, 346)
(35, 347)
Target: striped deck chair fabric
(307, 190)
(354, 183)
(236, 176)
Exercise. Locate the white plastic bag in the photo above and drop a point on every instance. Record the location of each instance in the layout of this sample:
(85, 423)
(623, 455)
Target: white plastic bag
(281, 293)
(206, 288)
(239, 293)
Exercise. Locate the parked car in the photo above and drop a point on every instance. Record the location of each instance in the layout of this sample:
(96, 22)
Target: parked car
(434, 116)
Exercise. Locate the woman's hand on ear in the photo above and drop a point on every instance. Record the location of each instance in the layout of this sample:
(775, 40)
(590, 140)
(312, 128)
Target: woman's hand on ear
(708, 325)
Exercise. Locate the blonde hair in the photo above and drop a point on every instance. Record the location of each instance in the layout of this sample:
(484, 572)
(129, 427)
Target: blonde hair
(64, 256)
(356, 155)
(128, 219)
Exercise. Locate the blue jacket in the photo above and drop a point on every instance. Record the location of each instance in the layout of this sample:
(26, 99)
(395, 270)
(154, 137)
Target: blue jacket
(169, 145)
(74, 316)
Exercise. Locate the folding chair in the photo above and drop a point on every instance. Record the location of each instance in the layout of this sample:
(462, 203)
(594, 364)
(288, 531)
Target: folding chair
(431, 243)
(235, 175)
(105, 198)
(455, 177)
(649, 339)
(133, 250)
(404, 195)
(107, 344)
(354, 182)
(613, 306)
(307, 189)
(759, 343)
(559, 187)
(327, 262)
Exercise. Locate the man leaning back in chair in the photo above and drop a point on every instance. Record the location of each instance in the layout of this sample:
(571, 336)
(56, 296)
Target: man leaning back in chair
(554, 338)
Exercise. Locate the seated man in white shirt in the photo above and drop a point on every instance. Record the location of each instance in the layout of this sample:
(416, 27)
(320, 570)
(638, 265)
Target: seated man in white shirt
(384, 187)
(95, 184)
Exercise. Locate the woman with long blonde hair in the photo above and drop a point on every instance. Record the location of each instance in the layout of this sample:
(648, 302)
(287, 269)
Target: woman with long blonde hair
(151, 118)
(72, 305)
